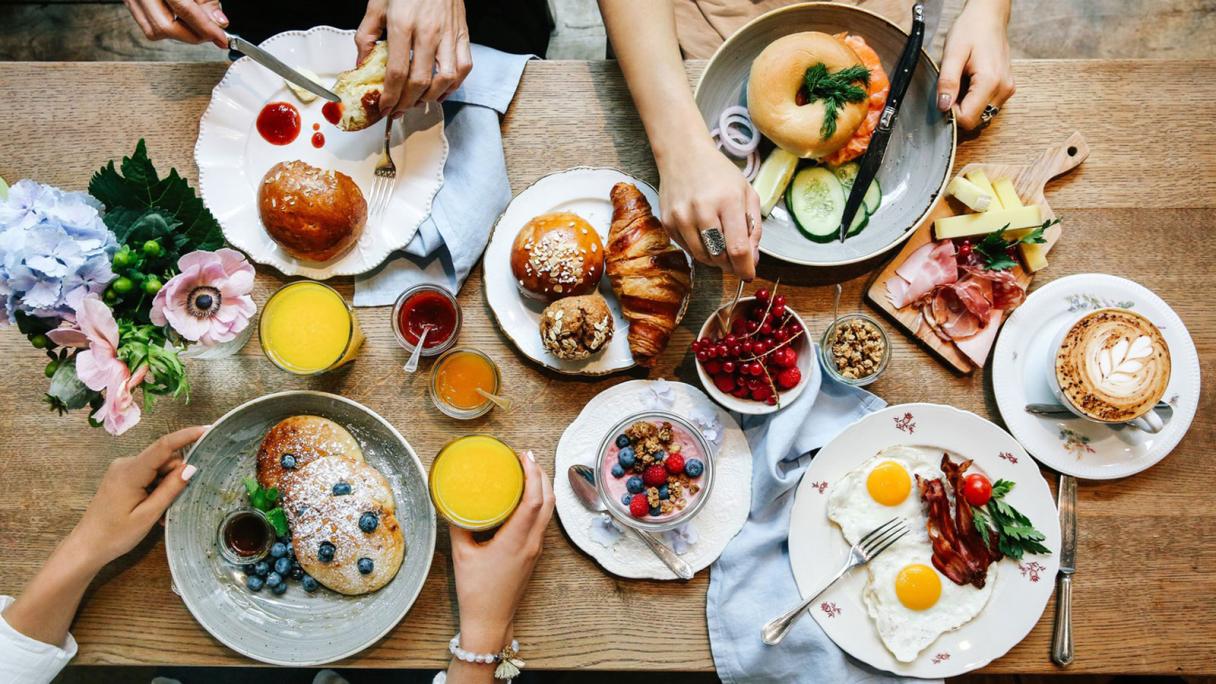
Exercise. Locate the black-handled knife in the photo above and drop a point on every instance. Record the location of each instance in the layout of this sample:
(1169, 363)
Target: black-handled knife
(900, 80)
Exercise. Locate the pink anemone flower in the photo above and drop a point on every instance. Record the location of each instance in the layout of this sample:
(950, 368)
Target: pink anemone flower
(100, 369)
(208, 301)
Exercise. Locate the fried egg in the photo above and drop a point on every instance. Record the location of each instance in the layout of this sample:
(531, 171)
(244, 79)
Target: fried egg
(910, 602)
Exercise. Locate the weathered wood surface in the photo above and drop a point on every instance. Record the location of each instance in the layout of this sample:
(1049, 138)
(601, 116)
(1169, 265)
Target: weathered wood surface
(1139, 207)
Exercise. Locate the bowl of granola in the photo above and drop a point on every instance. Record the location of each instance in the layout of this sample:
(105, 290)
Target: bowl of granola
(654, 470)
(855, 349)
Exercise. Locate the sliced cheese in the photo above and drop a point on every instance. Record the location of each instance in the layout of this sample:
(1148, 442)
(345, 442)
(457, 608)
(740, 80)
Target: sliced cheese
(1034, 256)
(981, 180)
(1006, 194)
(970, 225)
(969, 194)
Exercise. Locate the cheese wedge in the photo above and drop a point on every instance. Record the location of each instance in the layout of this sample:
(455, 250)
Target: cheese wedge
(971, 225)
(969, 194)
(1006, 194)
(980, 179)
(1033, 255)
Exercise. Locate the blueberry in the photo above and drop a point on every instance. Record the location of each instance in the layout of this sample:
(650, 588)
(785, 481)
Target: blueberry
(283, 566)
(660, 455)
(634, 485)
(663, 493)
(291, 550)
(310, 585)
(368, 522)
(617, 471)
(288, 461)
(693, 467)
(279, 589)
(278, 550)
(626, 457)
(325, 552)
(622, 441)
(365, 566)
(342, 489)
(254, 583)
(261, 569)
(654, 512)
(273, 579)
(250, 569)
(626, 498)
(297, 573)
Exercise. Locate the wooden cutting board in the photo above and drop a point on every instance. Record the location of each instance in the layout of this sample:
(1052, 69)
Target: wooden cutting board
(1029, 181)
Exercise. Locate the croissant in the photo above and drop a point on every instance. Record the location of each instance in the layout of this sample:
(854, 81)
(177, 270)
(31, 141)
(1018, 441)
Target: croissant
(650, 275)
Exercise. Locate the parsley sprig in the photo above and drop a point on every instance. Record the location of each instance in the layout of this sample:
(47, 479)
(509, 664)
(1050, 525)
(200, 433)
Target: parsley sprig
(266, 500)
(994, 248)
(1016, 535)
(835, 89)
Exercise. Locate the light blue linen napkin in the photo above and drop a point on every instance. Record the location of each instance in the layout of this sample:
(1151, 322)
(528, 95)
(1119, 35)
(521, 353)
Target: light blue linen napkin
(475, 188)
(751, 582)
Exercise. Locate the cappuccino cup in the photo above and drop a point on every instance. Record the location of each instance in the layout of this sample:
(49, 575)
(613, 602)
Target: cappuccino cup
(1110, 366)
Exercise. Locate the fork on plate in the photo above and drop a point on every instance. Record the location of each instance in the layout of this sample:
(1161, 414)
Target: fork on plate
(386, 176)
(864, 551)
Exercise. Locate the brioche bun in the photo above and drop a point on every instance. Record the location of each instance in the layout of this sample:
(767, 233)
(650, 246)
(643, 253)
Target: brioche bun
(312, 214)
(557, 255)
(777, 75)
(361, 88)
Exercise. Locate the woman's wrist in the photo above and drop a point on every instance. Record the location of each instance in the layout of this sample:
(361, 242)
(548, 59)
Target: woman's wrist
(482, 636)
(80, 554)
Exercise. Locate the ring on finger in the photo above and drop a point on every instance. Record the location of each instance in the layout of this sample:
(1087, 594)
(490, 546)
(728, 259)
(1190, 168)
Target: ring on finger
(751, 223)
(713, 240)
(990, 111)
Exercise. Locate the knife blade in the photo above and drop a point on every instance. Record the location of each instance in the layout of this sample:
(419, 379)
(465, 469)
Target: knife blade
(1066, 500)
(257, 54)
(900, 80)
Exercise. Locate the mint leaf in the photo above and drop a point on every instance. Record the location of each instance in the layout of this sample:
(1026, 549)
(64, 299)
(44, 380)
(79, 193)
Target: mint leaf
(278, 520)
(251, 485)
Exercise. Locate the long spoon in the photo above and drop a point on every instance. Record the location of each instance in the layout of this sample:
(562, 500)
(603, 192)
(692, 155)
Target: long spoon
(412, 365)
(499, 401)
(724, 324)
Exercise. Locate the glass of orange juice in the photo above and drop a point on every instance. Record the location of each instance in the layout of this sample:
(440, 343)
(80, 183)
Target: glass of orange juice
(455, 379)
(307, 328)
(476, 482)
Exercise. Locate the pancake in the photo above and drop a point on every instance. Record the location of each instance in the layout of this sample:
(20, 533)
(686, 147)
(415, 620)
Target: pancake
(307, 438)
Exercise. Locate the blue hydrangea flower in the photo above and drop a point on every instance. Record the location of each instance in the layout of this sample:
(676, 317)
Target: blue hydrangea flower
(54, 248)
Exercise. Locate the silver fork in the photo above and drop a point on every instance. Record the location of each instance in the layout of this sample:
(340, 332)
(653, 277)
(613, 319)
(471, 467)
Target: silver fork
(386, 175)
(864, 551)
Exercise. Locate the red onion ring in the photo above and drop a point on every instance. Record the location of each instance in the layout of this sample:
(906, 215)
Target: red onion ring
(739, 136)
(753, 166)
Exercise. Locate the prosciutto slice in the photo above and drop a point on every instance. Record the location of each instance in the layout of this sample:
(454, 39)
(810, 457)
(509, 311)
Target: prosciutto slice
(929, 267)
(977, 346)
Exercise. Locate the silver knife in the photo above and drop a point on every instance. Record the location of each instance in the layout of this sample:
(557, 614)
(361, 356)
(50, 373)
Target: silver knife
(257, 54)
(1066, 500)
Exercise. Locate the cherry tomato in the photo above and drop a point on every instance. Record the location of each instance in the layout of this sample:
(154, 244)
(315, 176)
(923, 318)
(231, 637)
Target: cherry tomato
(977, 489)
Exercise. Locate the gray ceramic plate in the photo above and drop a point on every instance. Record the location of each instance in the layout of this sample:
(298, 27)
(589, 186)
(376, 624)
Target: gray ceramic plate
(919, 155)
(296, 628)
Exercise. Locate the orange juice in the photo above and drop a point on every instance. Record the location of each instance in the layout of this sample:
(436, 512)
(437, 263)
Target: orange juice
(476, 482)
(307, 328)
(455, 379)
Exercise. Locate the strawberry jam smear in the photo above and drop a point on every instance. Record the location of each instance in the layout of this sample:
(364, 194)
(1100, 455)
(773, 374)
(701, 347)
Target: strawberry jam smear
(880, 85)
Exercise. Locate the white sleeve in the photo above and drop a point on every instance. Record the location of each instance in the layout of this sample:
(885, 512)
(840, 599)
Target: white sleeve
(28, 661)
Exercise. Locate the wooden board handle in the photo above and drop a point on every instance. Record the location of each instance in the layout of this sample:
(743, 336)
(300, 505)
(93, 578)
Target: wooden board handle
(1054, 161)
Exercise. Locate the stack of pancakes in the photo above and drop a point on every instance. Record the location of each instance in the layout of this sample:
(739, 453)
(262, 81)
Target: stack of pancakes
(327, 455)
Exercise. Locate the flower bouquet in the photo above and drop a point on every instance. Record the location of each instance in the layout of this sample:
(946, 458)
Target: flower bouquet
(116, 284)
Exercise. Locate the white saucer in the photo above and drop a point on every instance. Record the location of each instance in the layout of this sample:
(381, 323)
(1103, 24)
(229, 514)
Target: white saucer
(1075, 446)
(720, 518)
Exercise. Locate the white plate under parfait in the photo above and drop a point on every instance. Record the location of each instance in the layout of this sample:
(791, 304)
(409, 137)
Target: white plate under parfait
(232, 156)
(818, 549)
(721, 516)
(579, 190)
(1076, 446)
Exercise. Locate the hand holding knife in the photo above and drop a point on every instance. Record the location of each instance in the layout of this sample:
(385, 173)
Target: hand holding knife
(1066, 500)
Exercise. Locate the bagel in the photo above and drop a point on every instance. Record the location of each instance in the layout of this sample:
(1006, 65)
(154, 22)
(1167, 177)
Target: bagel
(777, 76)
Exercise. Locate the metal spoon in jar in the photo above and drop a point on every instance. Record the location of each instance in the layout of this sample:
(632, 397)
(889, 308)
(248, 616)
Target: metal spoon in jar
(412, 365)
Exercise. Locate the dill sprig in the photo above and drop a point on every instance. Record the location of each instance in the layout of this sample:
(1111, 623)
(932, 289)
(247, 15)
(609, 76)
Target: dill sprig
(835, 89)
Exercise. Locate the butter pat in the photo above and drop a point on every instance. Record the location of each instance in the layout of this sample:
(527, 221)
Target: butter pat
(980, 179)
(303, 95)
(969, 194)
(1006, 194)
(970, 225)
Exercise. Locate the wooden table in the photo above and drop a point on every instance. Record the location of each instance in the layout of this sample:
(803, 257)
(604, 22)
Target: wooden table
(1141, 207)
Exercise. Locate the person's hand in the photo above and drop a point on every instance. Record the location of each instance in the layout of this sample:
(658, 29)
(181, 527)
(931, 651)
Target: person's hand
(976, 48)
(428, 49)
(134, 493)
(700, 188)
(187, 21)
(491, 576)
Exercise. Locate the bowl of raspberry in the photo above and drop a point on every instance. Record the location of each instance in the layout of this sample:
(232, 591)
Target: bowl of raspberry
(760, 359)
(654, 471)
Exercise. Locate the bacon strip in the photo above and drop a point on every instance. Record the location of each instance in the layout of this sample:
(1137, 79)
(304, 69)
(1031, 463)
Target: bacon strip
(958, 550)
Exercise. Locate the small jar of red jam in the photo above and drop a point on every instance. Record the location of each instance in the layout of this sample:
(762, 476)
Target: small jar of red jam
(245, 536)
(429, 308)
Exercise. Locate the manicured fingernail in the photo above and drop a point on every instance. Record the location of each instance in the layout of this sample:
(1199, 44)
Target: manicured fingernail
(530, 455)
(943, 101)
(219, 17)
(188, 472)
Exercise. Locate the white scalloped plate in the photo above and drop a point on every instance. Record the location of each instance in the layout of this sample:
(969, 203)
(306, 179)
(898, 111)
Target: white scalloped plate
(817, 548)
(232, 157)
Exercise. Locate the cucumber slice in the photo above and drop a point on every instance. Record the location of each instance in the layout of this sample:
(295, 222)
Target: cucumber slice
(860, 221)
(873, 197)
(847, 173)
(816, 200)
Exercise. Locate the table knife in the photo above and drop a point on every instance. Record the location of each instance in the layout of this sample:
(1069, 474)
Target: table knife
(900, 80)
(257, 54)
(1066, 500)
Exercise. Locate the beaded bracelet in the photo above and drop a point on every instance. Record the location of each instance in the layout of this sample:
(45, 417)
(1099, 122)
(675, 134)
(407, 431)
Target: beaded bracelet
(509, 664)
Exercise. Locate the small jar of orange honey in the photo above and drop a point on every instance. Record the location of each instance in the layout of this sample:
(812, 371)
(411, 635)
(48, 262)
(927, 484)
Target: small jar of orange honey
(476, 482)
(456, 378)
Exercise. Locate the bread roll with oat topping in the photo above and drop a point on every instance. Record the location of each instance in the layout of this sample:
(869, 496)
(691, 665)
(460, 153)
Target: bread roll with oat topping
(557, 255)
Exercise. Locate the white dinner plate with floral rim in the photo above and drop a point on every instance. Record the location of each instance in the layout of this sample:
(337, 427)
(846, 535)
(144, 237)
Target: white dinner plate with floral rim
(1073, 445)
(232, 156)
(818, 549)
(580, 190)
(718, 521)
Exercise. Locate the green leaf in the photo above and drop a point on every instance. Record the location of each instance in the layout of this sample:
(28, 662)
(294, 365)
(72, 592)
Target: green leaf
(278, 520)
(835, 90)
(994, 248)
(66, 389)
(251, 485)
(1000, 488)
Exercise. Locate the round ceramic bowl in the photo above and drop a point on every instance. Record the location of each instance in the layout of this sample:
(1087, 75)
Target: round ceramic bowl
(396, 320)
(806, 364)
(613, 502)
(455, 411)
(918, 158)
(829, 364)
(297, 628)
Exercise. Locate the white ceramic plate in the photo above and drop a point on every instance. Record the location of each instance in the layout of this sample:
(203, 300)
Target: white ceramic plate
(718, 521)
(583, 191)
(817, 548)
(1072, 445)
(232, 156)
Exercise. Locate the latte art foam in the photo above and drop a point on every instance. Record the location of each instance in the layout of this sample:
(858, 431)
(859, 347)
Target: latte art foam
(1113, 365)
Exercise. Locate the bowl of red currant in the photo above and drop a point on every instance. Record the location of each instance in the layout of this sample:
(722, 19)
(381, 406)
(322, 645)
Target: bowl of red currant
(756, 358)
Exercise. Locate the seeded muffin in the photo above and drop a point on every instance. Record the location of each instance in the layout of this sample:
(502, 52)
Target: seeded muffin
(576, 327)
(557, 255)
